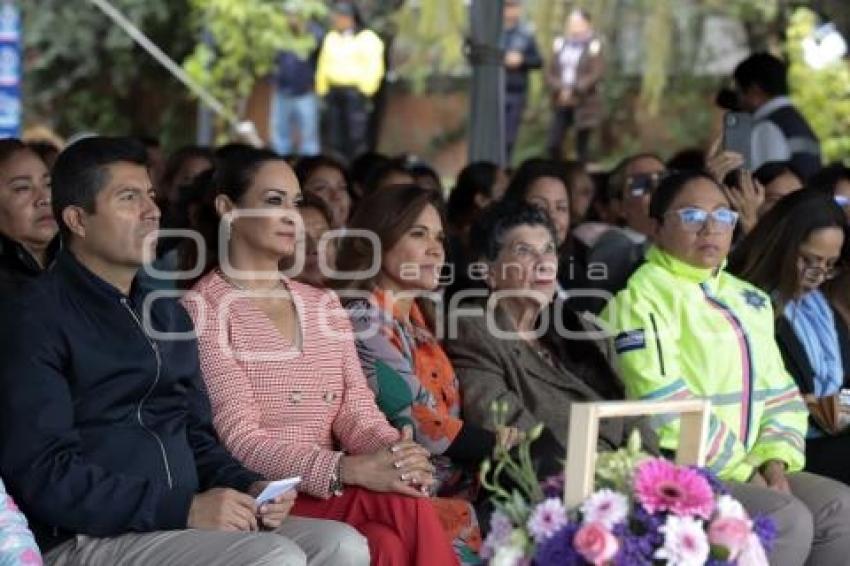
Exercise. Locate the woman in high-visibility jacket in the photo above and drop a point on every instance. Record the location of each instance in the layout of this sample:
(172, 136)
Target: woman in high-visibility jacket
(686, 328)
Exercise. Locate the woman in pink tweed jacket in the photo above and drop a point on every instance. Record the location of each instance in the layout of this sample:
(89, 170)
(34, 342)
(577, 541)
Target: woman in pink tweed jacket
(287, 391)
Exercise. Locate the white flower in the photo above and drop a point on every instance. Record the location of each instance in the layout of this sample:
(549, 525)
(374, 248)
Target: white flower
(685, 543)
(605, 506)
(753, 554)
(508, 555)
(730, 508)
(547, 519)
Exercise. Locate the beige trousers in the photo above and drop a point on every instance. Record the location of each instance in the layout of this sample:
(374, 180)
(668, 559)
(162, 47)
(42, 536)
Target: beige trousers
(813, 524)
(298, 541)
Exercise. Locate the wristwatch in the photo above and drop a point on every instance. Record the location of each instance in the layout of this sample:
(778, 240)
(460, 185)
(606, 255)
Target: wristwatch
(336, 486)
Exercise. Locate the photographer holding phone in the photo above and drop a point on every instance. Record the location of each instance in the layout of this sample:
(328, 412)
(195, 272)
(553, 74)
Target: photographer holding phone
(780, 132)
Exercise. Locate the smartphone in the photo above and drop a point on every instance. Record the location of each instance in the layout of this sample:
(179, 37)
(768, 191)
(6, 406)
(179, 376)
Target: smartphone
(738, 134)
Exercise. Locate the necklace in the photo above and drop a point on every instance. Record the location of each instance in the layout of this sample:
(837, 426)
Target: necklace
(278, 285)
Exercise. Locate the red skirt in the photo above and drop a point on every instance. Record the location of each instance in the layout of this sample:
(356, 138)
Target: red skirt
(402, 531)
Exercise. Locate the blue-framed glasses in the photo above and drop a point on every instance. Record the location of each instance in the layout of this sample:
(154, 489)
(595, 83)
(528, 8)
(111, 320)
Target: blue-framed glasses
(842, 201)
(694, 219)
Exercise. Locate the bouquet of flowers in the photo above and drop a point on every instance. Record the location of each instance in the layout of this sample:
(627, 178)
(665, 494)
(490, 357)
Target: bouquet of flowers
(645, 510)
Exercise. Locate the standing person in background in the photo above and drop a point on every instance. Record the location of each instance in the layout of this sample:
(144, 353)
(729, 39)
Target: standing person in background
(349, 71)
(780, 132)
(574, 77)
(521, 56)
(294, 99)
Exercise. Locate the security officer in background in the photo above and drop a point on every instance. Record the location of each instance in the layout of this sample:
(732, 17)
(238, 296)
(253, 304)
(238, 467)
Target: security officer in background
(574, 77)
(348, 73)
(521, 56)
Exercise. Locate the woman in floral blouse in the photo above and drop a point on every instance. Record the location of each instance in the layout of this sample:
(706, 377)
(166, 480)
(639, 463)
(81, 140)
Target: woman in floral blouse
(17, 545)
(413, 380)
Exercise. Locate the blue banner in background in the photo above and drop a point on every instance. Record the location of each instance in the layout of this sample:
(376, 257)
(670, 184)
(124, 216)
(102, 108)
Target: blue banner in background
(11, 69)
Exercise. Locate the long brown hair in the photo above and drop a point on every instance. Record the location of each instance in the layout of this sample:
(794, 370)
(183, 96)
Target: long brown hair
(388, 214)
(768, 256)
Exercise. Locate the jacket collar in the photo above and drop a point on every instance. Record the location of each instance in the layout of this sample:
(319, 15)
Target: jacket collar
(69, 267)
(13, 251)
(700, 275)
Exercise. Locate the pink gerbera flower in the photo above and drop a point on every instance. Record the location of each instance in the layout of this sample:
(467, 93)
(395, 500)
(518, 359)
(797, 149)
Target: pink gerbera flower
(663, 486)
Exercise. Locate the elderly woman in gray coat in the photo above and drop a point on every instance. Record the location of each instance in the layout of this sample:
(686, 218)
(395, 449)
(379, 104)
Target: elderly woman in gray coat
(519, 345)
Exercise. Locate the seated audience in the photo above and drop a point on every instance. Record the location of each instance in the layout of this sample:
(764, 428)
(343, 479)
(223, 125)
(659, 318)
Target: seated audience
(28, 240)
(478, 185)
(106, 439)
(287, 391)
(317, 218)
(792, 252)
(17, 545)
(621, 249)
(778, 179)
(394, 323)
(834, 180)
(543, 183)
(326, 178)
(582, 191)
(537, 370)
(687, 328)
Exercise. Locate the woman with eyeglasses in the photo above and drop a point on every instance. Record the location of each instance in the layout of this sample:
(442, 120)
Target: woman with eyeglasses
(792, 252)
(683, 328)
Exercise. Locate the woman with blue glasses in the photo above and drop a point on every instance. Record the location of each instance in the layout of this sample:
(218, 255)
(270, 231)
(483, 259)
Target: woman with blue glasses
(686, 328)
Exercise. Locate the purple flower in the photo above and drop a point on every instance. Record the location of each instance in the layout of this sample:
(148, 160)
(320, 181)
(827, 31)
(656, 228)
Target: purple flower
(558, 549)
(635, 550)
(765, 528)
(717, 486)
(553, 486)
(500, 531)
(546, 519)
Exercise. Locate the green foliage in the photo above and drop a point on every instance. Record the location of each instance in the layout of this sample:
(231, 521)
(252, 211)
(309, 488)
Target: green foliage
(430, 41)
(83, 73)
(822, 95)
(245, 36)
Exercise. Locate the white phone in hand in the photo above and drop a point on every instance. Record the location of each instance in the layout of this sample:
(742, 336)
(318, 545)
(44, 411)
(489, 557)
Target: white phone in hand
(276, 488)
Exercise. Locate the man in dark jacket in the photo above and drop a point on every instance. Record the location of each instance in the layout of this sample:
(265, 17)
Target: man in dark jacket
(106, 439)
(521, 56)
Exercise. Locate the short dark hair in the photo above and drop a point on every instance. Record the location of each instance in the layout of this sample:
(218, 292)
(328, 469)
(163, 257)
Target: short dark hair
(765, 71)
(475, 179)
(487, 236)
(670, 187)
(772, 170)
(533, 169)
(80, 173)
(827, 179)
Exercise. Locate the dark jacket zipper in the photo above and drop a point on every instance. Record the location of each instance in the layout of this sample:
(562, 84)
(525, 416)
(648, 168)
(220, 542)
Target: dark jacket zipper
(149, 391)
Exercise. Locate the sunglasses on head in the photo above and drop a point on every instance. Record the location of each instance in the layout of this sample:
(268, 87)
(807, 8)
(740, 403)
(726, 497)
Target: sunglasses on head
(644, 183)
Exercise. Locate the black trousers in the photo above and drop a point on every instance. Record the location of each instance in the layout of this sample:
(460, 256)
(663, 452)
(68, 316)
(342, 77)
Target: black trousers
(514, 108)
(562, 121)
(829, 456)
(348, 121)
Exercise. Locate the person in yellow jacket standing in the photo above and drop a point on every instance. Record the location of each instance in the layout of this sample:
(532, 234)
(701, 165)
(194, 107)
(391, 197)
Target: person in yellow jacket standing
(348, 73)
(686, 328)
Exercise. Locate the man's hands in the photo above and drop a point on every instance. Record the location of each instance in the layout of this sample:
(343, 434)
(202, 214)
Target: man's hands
(222, 509)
